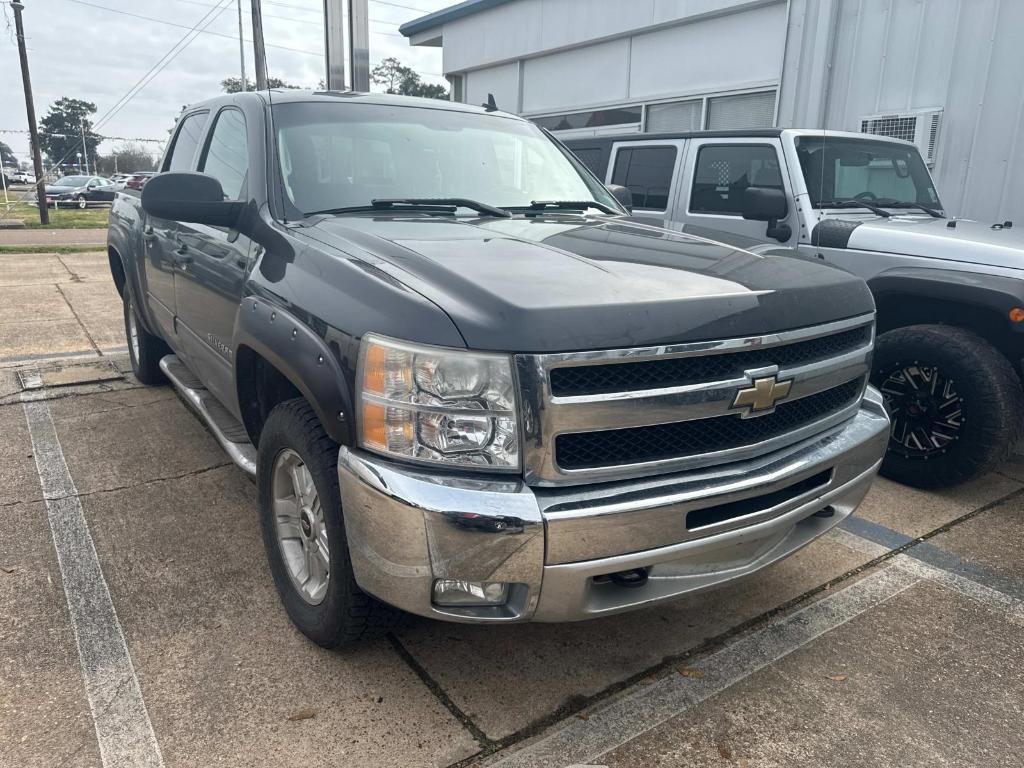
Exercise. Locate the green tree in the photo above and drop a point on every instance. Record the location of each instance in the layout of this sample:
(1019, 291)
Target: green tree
(396, 78)
(234, 84)
(7, 158)
(127, 158)
(60, 131)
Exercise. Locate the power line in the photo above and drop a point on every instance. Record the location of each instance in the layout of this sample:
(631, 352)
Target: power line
(182, 26)
(97, 135)
(245, 10)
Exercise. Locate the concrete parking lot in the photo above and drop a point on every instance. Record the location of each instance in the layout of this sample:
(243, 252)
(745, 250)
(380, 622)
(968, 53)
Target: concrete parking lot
(140, 624)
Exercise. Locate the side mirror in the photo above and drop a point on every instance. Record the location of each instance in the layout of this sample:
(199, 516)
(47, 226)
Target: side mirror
(623, 195)
(767, 204)
(190, 197)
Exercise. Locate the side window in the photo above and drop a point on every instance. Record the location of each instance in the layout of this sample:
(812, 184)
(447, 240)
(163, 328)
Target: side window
(185, 143)
(724, 171)
(647, 173)
(227, 156)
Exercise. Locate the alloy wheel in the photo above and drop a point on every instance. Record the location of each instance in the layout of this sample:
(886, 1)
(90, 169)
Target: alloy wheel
(300, 526)
(925, 409)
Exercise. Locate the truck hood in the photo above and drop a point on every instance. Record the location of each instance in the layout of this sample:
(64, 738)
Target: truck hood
(562, 283)
(969, 241)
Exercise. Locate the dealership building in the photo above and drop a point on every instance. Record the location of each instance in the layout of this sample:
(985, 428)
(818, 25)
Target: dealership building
(946, 74)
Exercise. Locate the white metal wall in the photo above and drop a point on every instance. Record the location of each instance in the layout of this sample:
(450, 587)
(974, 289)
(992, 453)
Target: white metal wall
(849, 58)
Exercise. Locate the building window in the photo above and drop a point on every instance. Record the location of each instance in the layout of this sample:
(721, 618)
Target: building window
(723, 173)
(676, 116)
(596, 119)
(457, 87)
(647, 173)
(747, 110)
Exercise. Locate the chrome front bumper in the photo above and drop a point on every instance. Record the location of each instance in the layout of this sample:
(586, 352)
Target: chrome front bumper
(556, 546)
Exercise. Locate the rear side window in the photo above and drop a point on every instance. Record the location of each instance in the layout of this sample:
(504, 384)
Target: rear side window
(227, 155)
(647, 173)
(723, 173)
(185, 143)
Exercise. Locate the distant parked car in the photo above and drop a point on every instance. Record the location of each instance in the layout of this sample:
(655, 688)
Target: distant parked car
(80, 191)
(22, 177)
(137, 180)
(119, 179)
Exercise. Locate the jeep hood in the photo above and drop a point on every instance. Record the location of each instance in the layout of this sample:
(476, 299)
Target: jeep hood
(970, 241)
(561, 283)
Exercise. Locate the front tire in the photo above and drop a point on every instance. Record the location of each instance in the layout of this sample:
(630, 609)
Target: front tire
(144, 349)
(82, 202)
(304, 531)
(955, 402)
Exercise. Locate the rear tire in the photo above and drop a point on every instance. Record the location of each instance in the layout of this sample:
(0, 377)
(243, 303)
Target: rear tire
(299, 522)
(955, 401)
(144, 349)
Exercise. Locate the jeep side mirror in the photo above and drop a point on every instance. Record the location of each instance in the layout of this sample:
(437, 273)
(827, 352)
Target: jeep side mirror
(623, 195)
(767, 204)
(191, 197)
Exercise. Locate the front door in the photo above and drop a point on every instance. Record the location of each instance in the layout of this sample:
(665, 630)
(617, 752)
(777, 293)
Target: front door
(718, 173)
(214, 263)
(648, 169)
(159, 236)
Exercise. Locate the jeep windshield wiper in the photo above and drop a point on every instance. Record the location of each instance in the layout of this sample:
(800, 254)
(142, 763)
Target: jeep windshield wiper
(452, 202)
(872, 206)
(444, 205)
(909, 204)
(540, 205)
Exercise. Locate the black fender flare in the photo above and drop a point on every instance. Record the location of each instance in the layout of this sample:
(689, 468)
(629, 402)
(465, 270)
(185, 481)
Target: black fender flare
(301, 356)
(991, 292)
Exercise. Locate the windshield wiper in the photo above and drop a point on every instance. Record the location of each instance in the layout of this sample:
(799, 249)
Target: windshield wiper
(445, 205)
(854, 204)
(909, 204)
(540, 205)
(450, 202)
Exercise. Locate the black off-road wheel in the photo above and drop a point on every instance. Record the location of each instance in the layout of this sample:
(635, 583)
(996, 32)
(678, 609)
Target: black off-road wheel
(304, 531)
(144, 349)
(955, 402)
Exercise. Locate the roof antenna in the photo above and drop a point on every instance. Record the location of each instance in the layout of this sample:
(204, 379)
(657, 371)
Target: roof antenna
(490, 106)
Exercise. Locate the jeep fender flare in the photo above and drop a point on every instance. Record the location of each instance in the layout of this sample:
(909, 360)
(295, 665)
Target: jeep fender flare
(301, 356)
(990, 292)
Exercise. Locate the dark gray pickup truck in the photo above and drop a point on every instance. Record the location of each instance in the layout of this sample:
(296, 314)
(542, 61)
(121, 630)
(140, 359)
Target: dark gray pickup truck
(468, 384)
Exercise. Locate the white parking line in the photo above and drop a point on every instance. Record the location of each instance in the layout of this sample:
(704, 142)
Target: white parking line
(123, 729)
(584, 741)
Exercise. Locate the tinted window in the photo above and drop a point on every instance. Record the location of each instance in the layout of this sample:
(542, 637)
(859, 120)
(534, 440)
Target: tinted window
(647, 173)
(227, 158)
(185, 143)
(597, 119)
(724, 172)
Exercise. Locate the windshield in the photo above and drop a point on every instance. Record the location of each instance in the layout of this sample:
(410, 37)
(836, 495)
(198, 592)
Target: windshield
(842, 169)
(347, 155)
(72, 181)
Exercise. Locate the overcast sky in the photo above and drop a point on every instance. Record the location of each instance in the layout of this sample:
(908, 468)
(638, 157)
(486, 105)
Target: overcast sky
(92, 50)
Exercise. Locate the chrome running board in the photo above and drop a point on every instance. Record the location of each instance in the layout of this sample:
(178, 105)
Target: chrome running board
(225, 427)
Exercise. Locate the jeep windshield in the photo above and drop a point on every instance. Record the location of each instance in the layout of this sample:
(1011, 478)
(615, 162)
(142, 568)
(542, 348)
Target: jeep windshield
(343, 157)
(842, 171)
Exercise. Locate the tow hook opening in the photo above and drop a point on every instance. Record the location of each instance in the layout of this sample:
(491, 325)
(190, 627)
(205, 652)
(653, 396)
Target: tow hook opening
(631, 579)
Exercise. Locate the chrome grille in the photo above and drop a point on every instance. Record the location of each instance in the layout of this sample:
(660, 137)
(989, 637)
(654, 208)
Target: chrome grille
(615, 414)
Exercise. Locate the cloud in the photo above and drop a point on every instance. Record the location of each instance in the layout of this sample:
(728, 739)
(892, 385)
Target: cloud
(84, 52)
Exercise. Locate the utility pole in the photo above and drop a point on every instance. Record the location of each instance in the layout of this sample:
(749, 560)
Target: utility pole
(30, 109)
(241, 45)
(257, 45)
(347, 44)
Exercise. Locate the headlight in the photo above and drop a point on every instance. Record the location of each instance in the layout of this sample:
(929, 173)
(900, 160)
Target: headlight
(432, 404)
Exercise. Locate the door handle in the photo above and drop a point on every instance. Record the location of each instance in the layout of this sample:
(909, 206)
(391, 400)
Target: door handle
(148, 234)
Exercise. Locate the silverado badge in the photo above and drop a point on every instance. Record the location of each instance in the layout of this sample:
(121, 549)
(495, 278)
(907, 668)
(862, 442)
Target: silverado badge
(760, 399)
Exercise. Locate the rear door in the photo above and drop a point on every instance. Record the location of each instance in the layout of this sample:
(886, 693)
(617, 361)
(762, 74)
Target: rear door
(716, 177)
(160, 235)
(214, 261)
(648, 169)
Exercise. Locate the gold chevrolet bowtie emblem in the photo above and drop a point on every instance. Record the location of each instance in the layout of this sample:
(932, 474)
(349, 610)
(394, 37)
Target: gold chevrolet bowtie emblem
(763, 396)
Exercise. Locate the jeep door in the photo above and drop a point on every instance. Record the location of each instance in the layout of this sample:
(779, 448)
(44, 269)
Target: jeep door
(214, 262)
(717, 173)
(159, 236)
(648, 169)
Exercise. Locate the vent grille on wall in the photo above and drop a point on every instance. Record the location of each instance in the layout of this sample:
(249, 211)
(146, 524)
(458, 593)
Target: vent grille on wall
(921, 127)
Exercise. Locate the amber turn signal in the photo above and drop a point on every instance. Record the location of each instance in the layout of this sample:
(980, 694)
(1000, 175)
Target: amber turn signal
(1017, 315)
